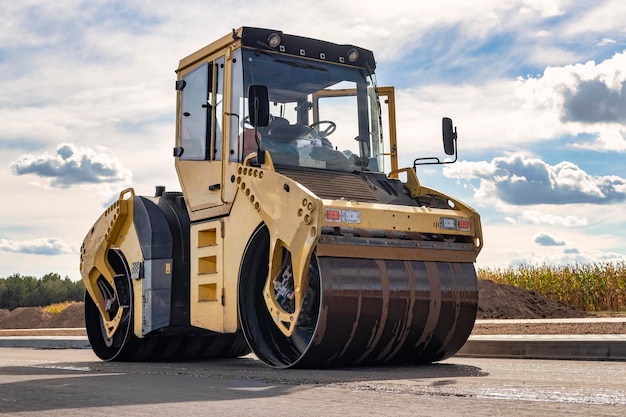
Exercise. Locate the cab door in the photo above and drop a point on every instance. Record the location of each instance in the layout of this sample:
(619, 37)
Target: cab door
(199, 164)
(199, 137)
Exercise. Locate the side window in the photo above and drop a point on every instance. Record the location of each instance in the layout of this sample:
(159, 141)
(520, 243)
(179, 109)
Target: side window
(218, 105)
(194, 113)
(237, 108)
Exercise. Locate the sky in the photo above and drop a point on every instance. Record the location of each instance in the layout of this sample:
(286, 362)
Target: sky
(536, 89)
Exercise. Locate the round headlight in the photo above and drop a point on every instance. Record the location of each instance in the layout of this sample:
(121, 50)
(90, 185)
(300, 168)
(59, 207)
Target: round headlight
(273, 40)
(352, 55)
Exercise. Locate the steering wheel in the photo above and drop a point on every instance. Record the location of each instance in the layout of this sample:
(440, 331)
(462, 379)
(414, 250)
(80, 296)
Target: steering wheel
(332, 126)
(245, 123)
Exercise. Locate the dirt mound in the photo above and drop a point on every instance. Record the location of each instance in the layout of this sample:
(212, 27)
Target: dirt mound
(24, 318)
(499, 301)
(495, 301)
(72, 317)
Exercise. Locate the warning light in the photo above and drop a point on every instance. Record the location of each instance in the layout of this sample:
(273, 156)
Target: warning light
(447, 223)
(463, 224)
(332, 215)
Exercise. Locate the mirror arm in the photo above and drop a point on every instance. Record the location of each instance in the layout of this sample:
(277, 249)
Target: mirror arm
(260, 154)
(433, 160)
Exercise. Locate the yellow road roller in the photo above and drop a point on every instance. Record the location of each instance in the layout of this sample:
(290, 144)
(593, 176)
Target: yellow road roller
(295, 236)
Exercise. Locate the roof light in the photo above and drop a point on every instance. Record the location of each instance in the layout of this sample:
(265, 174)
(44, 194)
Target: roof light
(273, 40)
(352, 55)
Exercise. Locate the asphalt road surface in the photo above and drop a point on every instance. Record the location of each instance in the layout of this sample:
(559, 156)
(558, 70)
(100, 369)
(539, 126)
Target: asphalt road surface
(73, 382)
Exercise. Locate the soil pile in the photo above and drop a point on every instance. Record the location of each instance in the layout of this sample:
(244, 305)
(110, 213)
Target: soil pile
(24, 318)
(496, 301)
(71, 317)
(500, 301)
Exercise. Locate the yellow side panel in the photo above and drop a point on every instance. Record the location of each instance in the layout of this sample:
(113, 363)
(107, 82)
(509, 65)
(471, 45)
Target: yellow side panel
(239, 227)
(207, 283)
(201, 182)
(229, 189)
(217, 248)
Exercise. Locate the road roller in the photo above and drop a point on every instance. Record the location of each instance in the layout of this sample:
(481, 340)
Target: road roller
(295, 235)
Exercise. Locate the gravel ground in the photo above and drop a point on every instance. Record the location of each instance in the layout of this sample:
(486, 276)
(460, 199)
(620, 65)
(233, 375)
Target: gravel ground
(544, 327)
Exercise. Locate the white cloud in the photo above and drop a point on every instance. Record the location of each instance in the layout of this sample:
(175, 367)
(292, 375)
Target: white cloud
(605, 17)
(595, 102)
(544, 239)
(609, 140)
(606, 41)
(550, 55)
(522, 180)
(507, 245)
(546, 8)
(568, 256)
(580, 98)
(537, 217)
(43, 246)
(498, 112)
(501, 113)
(72, 165)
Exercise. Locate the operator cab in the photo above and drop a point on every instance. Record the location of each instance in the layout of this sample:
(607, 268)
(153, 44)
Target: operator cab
(321, 115)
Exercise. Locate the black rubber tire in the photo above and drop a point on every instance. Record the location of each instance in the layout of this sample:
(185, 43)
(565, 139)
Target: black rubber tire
(123, 345)
(266, 340)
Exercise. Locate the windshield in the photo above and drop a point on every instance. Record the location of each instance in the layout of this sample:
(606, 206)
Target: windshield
(323, 115)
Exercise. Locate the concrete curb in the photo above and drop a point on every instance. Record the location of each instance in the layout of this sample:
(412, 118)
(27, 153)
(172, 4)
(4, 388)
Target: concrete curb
(65, 331)
(46, 342)
(553, 321)
(573, 347)
(606, 347)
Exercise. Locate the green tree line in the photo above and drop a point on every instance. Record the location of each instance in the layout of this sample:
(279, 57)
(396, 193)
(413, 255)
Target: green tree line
(27, 291)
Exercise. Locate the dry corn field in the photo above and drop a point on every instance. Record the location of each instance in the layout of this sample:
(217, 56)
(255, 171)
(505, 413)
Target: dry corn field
(56, 308)
(589, 287)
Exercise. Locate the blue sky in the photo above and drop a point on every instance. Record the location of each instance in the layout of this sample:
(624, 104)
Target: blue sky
(537, 90)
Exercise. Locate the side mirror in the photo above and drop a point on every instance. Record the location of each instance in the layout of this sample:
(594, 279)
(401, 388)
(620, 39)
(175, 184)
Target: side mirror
(449, 136)
(449, 145)
(258, 105)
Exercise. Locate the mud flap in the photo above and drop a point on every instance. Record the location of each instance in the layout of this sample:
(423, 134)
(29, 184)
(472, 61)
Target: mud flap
(157, 294)
(122, 290)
